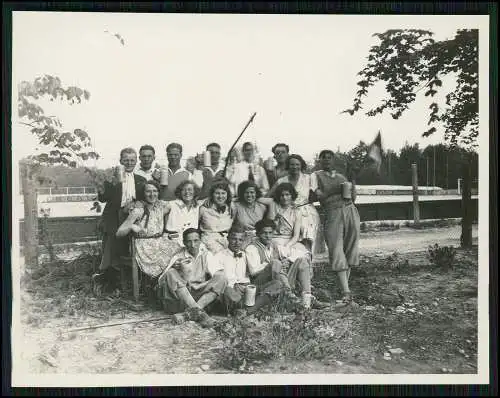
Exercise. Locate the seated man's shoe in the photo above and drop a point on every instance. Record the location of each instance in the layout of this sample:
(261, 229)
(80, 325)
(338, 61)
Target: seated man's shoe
(201, 317)
(180, 318)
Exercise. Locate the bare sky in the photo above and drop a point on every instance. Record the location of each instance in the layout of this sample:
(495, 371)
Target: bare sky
(195, 79)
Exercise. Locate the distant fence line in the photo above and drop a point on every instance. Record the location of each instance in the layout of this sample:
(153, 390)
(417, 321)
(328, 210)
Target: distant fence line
(85, 229)
(87, 194)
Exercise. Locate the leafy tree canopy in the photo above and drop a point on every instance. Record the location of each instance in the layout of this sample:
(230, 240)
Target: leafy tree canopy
(63, 147)
(411, 60)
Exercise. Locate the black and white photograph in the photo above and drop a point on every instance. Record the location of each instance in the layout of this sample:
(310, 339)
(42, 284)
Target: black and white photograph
(239, 199)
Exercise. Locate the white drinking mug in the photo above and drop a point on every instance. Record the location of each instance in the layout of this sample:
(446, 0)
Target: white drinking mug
(207, 161)
(120, 173)
(163, 175)
(270, 163)
(250, 295)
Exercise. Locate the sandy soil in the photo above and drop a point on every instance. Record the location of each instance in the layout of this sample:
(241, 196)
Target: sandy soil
(383, 320)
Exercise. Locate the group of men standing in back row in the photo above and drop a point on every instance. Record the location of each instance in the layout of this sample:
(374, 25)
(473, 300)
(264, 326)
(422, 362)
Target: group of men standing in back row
(206, 232)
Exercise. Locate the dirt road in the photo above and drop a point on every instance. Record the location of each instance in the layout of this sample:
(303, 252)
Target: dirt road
(407, 240)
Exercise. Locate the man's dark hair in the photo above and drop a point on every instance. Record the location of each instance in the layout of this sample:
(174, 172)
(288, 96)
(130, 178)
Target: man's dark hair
(324, 152)
(280, 144)
(246, 144)
(264, 223)
(212, 144)
(147, 148)
(236, 229)
(174, 145)
(190, 231)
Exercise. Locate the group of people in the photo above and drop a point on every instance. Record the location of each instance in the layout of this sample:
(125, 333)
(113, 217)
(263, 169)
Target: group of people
(205, 234)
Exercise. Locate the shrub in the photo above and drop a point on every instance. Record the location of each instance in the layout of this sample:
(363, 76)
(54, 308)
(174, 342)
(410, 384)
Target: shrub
(442, 257)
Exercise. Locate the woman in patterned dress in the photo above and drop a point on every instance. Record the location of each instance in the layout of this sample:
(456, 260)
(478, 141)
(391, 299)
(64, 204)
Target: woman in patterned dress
(146, 220)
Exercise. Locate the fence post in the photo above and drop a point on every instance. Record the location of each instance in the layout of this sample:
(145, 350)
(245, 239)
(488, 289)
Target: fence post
(466, 236)
(30, 232)
(416, 210)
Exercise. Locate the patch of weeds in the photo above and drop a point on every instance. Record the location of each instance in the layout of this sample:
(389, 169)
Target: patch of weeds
(273, 334)
(442, 257)
(362, 227)
(396, 262)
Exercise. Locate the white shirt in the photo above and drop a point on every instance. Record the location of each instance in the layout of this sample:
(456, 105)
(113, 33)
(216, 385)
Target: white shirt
(240, 173)
(198, 177)
(182, 217)
(147, 174)
(201, 264)
(253, 258)
(220, 167)
(235, 268)
(128, 189)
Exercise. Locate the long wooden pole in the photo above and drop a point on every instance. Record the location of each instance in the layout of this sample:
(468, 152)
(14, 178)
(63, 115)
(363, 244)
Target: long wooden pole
(235, 142)
(105, 325)
(416, 210)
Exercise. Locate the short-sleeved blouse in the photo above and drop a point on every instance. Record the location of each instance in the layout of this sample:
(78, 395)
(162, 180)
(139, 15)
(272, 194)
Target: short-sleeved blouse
(212, 220)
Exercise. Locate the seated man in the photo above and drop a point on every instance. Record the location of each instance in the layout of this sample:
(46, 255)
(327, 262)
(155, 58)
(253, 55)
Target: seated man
(235, 264)
(191, 280)
(264, 263)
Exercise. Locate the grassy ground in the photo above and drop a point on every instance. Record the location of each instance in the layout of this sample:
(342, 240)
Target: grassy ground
(405, 302)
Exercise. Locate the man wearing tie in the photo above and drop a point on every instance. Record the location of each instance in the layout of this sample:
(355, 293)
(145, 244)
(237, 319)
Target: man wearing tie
(248, 169)
(235, 264)
(119, 195)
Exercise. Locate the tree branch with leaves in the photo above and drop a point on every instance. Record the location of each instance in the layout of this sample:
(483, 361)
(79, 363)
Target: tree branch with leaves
(409, 61)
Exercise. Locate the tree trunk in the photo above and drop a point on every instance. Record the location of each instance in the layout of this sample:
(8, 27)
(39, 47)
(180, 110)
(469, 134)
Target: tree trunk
(466, 237)
(30, 216)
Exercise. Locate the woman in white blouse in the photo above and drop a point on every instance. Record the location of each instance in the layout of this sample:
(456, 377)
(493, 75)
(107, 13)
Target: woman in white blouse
(183, 212)
(310, 233)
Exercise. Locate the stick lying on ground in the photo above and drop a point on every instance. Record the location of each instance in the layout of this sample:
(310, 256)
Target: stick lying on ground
(119, 323)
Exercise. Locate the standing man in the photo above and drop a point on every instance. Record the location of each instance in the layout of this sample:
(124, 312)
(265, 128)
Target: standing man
(146, 169)
(176, 173)
(215, 169)
(248, 169)
(119, 195)
(280, 152)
